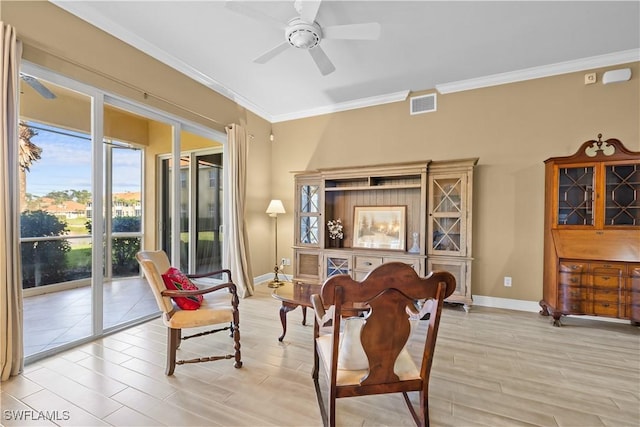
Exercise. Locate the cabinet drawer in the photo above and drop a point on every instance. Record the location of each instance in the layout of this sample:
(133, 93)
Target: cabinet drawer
(608, 268)
(572, 266)
(608, 281)
(367, 263)
(573, 306)
(606, 295)
(605, 308)
(414, 263)
(570, 279)
(572, 293)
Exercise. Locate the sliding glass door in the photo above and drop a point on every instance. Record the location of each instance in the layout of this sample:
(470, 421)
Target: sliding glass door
(82, 168)
(201, 208)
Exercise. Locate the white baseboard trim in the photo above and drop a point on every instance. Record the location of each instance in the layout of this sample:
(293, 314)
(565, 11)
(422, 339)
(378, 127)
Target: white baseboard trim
(263, 279)
(507, 303)
(530, 306)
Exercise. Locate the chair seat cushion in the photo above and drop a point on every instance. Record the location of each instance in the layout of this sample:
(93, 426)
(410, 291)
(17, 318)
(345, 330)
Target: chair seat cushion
(353, 364)
(176, 280)
(211, 312)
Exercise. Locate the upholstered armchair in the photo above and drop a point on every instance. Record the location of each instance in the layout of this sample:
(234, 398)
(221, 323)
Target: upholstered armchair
(204, 306)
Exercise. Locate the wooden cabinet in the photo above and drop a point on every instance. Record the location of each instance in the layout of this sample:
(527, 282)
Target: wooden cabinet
(592, 232)
(449, 223)
(436, 200)
(633, 293)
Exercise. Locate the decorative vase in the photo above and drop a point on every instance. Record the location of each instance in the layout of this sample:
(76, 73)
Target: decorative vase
(335, 243)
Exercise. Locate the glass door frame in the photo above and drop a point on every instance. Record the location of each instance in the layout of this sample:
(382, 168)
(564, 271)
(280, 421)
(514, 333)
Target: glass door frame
(100, 98)
(192, 202)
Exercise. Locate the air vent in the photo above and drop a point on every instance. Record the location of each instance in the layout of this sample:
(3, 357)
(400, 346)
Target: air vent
(423, 104)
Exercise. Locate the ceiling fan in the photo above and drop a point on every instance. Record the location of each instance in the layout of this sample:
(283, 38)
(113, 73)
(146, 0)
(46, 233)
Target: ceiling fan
(37, 86)
(303, 32)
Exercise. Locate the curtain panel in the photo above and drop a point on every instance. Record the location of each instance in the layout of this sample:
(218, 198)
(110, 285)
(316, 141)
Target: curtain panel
(236, 240)
(11, 343)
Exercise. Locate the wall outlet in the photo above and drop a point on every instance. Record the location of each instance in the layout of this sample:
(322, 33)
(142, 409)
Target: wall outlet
(285, 261)
(507, 281)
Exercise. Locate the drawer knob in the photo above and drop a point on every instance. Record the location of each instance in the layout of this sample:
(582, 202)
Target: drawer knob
(575, 293)
(606, 277)
(574, 280)
(575, 267)
(367, 263)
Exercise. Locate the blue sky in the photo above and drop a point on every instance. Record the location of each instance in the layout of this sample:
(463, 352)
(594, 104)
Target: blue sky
(65, 164)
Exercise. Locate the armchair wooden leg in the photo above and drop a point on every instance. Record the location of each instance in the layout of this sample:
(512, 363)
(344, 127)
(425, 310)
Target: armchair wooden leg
(236, 346)
(173, 341)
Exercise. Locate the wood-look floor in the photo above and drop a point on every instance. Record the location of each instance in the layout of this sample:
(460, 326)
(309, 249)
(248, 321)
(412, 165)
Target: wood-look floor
(492, 367)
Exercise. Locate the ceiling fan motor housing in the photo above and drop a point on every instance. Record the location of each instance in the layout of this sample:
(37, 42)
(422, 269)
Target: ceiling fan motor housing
(302, 35)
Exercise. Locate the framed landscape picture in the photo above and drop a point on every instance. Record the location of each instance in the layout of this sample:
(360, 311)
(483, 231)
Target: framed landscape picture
(379, 227)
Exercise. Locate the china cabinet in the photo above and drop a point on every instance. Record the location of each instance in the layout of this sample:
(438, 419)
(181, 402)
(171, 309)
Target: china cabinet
(433, 230)
(592, 233)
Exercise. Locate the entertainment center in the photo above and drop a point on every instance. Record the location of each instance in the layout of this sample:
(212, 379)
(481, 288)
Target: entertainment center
(419, 213)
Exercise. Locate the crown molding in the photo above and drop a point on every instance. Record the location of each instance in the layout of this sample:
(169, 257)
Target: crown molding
(616, 58)
(343, 106)
(84, 11)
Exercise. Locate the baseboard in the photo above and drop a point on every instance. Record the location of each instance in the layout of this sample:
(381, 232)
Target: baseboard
(263, 279)
(507, 303)
(530, 306)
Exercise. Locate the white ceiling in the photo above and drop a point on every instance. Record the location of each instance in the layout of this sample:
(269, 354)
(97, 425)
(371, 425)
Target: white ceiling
(450, 46)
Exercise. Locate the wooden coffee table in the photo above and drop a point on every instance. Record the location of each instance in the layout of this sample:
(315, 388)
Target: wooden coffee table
(293, 295)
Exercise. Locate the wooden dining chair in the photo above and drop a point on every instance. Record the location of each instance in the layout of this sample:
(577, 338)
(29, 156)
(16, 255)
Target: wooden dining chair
(207, 306)
(367, 354)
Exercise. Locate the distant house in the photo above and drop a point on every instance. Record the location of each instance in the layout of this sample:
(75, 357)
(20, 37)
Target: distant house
(124, 204)
(67, 208)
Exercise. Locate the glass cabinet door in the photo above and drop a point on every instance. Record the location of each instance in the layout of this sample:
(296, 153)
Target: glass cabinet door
(308, 212)
(622, 201)
(447, 216)
(575, 195)
(336, 264)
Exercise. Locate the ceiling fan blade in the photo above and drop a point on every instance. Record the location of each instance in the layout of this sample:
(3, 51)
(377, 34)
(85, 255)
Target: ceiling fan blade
(322, 61)
(308, 9)
(38, 87)
(242, 8)
(271, 53)
(368, 31)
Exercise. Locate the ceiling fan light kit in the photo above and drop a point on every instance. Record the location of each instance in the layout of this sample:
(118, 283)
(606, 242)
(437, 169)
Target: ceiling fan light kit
(303, 35)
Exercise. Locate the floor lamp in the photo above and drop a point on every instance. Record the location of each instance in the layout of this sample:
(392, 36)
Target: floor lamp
(276, 207)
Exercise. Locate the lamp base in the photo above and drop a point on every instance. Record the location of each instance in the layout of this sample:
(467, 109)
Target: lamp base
(276, 282)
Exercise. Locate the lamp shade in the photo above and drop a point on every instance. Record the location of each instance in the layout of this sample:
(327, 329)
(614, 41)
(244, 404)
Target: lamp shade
(275, 207)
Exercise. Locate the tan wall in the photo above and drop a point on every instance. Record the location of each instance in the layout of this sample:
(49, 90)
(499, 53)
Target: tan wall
(511, 128)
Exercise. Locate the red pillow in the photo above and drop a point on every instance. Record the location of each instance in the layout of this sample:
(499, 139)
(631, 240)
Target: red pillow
(176, 280)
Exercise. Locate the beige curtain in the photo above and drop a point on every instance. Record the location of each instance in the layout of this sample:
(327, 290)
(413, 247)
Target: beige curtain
(11, 351)
(236, 240)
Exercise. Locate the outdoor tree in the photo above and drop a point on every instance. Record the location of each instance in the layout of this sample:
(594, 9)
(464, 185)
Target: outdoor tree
(124, 249)
(59, 196)
(81, 196)
(44, 261)
(29, 153)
